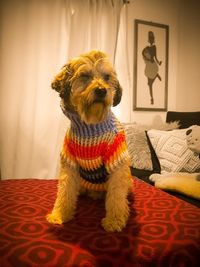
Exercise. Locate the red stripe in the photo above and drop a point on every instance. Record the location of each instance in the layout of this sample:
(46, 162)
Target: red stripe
(91, 152)
(118, 140)
(85, 152)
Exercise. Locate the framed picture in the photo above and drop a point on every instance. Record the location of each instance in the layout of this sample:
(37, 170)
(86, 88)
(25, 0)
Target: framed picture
(151, 66)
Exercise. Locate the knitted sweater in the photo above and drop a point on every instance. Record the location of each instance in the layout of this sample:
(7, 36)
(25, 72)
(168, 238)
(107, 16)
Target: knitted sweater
(97, 149)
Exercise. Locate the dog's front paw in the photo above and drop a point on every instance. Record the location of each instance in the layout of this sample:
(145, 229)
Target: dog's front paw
(113, 225)
(54, 218)
(57, 218)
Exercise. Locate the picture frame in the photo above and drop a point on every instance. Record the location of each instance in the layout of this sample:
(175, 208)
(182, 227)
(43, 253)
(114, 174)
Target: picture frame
(150, 66)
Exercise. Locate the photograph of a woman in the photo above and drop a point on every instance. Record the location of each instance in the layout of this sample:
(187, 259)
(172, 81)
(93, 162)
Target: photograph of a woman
(150, 66)
(151, 63)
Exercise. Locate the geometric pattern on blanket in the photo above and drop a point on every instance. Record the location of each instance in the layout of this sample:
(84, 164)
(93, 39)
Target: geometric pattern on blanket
(161, 231)
(172, 151)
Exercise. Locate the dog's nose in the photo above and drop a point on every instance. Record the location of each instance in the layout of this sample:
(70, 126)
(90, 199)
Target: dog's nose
(100, 92)
(188, 131)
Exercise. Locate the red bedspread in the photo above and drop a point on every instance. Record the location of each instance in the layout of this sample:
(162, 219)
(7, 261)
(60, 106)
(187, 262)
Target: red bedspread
(162, 230)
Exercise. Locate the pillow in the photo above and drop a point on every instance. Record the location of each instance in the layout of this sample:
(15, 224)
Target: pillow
(140, 150)
(154, 158)
(138, 147)
(144, 174)
(172, 151)
(184, 183)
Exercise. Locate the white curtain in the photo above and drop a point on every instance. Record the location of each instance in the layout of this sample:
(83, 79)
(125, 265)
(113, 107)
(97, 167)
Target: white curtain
(121, 64)
(37, 38)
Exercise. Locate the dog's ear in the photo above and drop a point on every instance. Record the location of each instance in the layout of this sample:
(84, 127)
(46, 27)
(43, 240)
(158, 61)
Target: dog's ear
(62, 85)
(118, 95)
(61, 82)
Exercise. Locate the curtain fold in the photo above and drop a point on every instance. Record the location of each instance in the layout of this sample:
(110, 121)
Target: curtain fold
(121, 64)
(92, 24)
(37, 38)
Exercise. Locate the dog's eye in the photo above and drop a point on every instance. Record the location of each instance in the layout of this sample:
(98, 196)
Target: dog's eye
(85, 76)
(106, 77)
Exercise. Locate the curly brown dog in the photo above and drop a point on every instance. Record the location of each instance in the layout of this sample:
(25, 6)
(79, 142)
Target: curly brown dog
(94, 157)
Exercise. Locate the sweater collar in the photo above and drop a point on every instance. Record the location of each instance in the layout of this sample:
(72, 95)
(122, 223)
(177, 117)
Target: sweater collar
(82, 129)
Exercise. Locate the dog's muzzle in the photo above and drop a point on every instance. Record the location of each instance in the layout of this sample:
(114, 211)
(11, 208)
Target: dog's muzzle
(100, 93)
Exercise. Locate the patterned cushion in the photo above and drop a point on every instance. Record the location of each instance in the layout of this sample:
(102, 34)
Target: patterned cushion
(172, 151)
(138, 148)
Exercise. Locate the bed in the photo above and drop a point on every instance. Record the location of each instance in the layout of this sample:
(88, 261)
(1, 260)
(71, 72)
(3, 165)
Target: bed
(162, 230)
(185, 119)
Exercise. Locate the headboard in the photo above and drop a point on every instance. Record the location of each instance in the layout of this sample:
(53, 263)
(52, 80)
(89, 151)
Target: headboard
(186, 119)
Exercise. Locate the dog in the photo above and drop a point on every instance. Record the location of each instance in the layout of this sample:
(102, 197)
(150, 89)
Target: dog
(94, 156)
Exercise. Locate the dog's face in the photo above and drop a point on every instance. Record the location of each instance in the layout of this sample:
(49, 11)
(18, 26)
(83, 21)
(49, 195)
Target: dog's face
(88, 85)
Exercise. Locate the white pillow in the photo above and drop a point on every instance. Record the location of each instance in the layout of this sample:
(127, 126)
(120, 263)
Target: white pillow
(172, 151)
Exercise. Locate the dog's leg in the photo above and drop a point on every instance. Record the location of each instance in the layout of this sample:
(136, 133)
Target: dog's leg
(117, 208)
(65, 204)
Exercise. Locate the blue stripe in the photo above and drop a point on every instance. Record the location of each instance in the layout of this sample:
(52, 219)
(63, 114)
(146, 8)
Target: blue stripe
(97, 176)
(83, 130)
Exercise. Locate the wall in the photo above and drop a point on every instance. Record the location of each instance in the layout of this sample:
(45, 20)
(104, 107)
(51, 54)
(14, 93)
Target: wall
(188, 73)
(183, 82)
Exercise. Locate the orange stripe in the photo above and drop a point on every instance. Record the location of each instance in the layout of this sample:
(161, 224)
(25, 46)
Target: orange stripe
(95, 187)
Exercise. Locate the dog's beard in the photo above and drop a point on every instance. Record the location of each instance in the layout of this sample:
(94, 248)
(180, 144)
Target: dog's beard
(94, 113)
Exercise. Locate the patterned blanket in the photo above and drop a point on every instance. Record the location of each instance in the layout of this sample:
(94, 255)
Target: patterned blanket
(162, 230)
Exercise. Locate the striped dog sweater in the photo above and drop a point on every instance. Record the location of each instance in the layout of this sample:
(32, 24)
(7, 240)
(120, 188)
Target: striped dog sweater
(97, 149)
